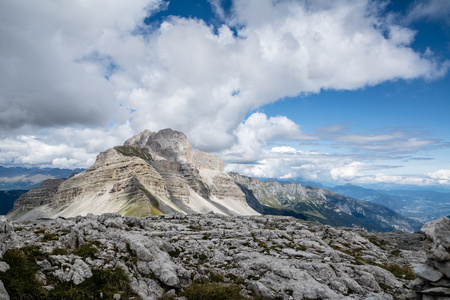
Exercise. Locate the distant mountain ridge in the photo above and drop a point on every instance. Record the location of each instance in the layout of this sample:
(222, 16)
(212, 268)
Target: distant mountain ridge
(18, 178)
(421, 205)
(324, 206)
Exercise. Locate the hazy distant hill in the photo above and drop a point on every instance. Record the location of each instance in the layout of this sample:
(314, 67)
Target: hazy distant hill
(7, 199)
(421, 205)
(17, 178)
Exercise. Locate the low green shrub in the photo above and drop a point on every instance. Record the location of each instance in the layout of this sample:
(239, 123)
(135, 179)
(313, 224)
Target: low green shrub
(50, 237)
(20, 280)
(212, 291)
(86, 250)
(60, 251)
(404, 272)
(103, 284)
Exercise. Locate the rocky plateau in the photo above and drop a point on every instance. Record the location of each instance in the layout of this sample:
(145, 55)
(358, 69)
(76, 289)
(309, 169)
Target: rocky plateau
(178, 256)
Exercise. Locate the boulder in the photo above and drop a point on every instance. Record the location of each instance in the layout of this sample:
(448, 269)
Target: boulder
(434, 275)
(428, 272)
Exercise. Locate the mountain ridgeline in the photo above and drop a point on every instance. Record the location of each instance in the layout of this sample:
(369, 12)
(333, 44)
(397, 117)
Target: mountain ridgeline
(18, 178)
(422, 205)
(157, 173)
(321, 205)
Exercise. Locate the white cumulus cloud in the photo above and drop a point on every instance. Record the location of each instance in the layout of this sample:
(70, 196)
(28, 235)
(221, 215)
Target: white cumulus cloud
(77, 77)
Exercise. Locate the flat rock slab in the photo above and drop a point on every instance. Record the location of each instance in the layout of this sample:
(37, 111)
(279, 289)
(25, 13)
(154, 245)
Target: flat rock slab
(428, 272)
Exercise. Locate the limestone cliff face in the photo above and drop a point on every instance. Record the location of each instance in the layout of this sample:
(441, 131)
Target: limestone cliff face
(152, 173)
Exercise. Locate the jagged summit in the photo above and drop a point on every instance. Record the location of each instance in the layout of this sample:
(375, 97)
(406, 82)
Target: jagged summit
(165, 144)
(152, 173)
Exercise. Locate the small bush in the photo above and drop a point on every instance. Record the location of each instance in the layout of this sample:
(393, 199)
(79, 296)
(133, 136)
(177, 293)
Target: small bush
(212, 291)
(403, 272)
(34, 252)
(384, 286)
(216, 277)
(195, 228)
(85, 251)
(235, 279)
(50, 237)
(201, 257)
(175, 253)
(20, 280)
(60, 251)
(378, 242)
(39, 231)
(301, 248)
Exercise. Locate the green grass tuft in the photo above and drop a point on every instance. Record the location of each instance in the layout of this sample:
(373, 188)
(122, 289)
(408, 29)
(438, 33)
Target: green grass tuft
(86, 250)
(403, 272)
(60, 251)
(130, 150)
(212, 291)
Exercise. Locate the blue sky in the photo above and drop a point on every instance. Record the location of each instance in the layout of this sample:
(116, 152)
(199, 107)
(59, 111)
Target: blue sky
(329, 91)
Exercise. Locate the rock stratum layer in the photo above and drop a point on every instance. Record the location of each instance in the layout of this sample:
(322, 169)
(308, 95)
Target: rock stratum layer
(151, 174)
(195, 256)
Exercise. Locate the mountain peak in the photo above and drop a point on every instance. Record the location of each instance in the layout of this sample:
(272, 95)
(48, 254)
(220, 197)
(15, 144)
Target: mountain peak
(152, 173)
(166, 144)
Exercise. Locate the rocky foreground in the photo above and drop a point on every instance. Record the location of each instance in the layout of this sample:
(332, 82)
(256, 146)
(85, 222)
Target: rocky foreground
(207, 257)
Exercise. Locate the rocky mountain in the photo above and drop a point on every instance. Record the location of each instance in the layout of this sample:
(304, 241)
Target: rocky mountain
(152, 173)
(18, 178)
(421, 205)
(212, 256)
(317, 204)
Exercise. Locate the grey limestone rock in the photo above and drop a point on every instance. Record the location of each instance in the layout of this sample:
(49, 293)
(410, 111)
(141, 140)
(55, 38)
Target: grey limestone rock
(428, 272)
(3, 266)
(434, 274)
(268, 256)
(77, 272)
(3, 293)
(437, 244)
